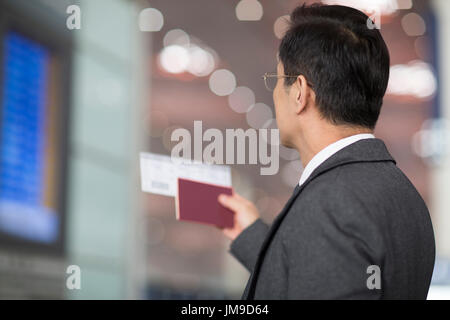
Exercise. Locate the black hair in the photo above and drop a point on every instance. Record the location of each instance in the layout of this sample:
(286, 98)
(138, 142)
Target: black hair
(337, 49)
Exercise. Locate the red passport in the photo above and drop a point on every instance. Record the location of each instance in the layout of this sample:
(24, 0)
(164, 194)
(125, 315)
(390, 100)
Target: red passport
(197, 201)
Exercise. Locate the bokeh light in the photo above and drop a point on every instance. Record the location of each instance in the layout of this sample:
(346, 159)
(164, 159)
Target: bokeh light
(280, 26)
(151, 20)
(432, 141)
(414, 79)
(413, 24)
(404, 4)
(222, 82)
(249, 10)
(201, 62)
(176, 37)
(174, 59)
(382, 6)
(241, 99)
(259, 115)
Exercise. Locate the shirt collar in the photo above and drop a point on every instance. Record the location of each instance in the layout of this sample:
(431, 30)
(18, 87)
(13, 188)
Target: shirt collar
(328, 151)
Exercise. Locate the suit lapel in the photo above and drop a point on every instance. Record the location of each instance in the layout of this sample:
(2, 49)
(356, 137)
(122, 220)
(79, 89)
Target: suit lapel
(367, 150)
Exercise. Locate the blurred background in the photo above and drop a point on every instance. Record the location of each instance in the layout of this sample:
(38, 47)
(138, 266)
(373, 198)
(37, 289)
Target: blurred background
(78, 105)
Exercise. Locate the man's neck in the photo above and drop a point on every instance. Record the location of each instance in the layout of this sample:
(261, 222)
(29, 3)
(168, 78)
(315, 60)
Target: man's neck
(312, 142)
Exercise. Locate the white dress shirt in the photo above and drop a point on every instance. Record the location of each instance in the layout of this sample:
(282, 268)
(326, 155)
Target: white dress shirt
(328, 151)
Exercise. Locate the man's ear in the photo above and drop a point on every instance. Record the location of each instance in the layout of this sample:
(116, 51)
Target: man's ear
(301, 94)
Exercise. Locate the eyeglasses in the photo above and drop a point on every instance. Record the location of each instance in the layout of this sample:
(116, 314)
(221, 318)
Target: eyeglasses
(271, 78)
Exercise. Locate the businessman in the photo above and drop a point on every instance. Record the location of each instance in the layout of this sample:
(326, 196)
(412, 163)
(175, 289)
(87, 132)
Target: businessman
(355, 227)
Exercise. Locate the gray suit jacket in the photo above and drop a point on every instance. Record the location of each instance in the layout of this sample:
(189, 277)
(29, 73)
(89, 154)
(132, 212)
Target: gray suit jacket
(357, 209)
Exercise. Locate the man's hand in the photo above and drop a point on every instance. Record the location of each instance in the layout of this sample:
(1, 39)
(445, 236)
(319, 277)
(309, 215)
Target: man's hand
(245, 213)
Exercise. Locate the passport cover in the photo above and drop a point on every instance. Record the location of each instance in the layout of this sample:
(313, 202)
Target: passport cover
(197, 202)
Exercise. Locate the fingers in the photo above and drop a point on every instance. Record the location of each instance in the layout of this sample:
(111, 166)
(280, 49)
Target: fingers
(231, 202)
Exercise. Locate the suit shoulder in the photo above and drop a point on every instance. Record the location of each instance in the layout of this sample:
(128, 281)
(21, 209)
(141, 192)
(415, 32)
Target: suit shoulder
(345, 196)
(358, 182)
(330, 208)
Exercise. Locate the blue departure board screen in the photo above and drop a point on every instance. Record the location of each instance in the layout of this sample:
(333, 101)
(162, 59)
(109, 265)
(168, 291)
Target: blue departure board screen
(24, 168)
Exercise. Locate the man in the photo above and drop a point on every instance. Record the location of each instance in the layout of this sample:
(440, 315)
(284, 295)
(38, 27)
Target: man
(355, 227)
